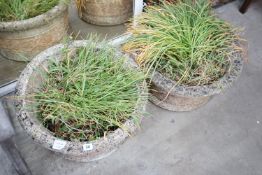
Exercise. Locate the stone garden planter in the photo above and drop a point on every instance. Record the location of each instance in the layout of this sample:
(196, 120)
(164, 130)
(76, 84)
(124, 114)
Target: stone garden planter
(104, 12)
(166, 94)
(22, 40)
(31, 79)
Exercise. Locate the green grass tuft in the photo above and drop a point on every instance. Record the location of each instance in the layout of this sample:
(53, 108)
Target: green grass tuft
(185, 41)
(88, 94)
(15, 10)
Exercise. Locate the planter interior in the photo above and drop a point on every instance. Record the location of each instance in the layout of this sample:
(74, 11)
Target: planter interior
(31, 79)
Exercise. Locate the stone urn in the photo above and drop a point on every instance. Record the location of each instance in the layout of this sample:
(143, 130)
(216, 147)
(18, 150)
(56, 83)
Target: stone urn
(22, 40)
(104, 12)
(31, 79)
(167, 94)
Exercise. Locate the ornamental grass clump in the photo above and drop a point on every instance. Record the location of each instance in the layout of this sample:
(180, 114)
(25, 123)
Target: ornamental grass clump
(89, 94)
(15, 10)
(184, 41)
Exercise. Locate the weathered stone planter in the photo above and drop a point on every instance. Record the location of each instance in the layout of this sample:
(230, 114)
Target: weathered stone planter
(165, 93)
(31, 79)
(22, 40)
(105, 12)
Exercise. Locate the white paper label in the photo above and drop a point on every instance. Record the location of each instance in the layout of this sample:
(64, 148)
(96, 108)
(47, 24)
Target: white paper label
(59, 144)
(88, 147)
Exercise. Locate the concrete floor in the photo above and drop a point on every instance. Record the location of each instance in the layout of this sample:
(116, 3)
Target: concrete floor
(9, 70)
(222, 138)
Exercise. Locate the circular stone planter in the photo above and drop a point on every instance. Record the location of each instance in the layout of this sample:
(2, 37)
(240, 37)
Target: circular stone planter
(105, 12)
(31, 79)
(22, 40)
(166, 94)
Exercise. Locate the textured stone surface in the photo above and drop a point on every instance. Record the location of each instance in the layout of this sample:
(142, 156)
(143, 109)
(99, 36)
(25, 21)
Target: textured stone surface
(175, 102)
(22, 40)
(104, 12)
(31, 78)
(168, 95)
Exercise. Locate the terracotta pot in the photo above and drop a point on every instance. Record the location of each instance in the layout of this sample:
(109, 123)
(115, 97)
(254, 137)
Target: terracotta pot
(31, 79)
(22, 40)
(106, 12)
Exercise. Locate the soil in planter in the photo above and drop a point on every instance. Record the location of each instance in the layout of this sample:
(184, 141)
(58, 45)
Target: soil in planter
(184, 41)
(15, 10)
(88, 94)
(60, 131)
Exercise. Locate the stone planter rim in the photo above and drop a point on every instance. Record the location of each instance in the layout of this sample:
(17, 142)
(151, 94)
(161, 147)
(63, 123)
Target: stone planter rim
(43, 136)
(34, 22)
(233, 72)
(168, 85)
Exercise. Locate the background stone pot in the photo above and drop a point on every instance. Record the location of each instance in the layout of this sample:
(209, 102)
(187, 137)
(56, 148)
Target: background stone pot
(31, 79)
(106, 12)
(22, 40)
(166, 94)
